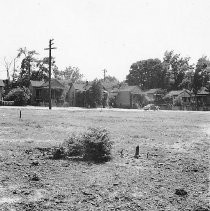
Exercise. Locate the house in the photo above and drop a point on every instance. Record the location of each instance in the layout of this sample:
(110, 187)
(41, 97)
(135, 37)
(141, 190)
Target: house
(112, 97)
(1, 88)
(154, 95)
(203, 97)
(180, 96)
(129, 97)
(40, 92)
(35, 88)
(78, 95)
(75, 90)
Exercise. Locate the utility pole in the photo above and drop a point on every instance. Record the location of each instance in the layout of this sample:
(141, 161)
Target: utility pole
(104, 70)
(50, 58)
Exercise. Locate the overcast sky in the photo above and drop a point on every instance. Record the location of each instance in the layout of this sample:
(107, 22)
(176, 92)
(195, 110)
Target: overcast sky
(110, 34)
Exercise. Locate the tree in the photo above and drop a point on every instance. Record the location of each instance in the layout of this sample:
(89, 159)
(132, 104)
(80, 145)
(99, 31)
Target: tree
(187, 80)
(94, 95)
(42, 71)
(175, 68)
(110, 79)
(20, 96)
(201, 75)
(7, 65)
(110, 82)
(28, 63)
(72, 74)
(147, 74)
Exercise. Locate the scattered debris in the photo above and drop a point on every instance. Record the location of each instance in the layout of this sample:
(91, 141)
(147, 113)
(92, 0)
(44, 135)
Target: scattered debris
(34, 177)
(35, 163)
(181, 192)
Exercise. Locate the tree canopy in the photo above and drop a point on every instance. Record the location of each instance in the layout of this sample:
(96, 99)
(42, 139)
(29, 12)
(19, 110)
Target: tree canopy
(72, 74)
(173, 73)
(147, 74)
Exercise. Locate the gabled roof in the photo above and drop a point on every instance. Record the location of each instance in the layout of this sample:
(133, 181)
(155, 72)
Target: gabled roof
(109, 85)
(79, 86)
(115, 90)
(1, 83)
(178, 92)
(203, 91)
(175, 92)
(132, 89)
(55, 84)
(84, 87)
(153, 91)
(36, 83)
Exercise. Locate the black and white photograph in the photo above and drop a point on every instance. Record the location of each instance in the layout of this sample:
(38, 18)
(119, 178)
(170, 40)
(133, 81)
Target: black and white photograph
(105, 105)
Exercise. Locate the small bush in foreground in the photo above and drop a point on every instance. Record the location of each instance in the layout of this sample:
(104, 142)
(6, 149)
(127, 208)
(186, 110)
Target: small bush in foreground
(58, 153)
(73, 145)
(92, 145)
(97, 145)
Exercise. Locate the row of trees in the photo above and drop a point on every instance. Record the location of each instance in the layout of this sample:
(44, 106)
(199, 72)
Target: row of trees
(32, 67)
(173, 73)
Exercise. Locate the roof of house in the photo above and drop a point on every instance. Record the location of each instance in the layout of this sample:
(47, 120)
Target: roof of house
(55, 84)
(109, 85)
(203, 91)
(84, 87)
(1, 83)
(132, 89)
(153, 91)
(179, 92)
(36, 83)
(175, 92)
(114, 90)
(79, 86)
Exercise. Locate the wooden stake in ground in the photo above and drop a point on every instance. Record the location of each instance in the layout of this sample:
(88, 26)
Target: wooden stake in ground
(137, 152)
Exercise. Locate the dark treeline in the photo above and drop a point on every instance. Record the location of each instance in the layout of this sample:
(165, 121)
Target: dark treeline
(172, 73)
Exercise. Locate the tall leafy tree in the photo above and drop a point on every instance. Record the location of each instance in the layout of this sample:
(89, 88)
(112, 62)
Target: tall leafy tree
(42, 70)
(110, 82)
(72, 74)
(147, 74)
(94, 95)
(187, 81)
(202, 74)
(175, 69)
(28, 63)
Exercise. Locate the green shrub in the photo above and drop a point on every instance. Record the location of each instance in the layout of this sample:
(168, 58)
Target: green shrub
(19, 95)
(97, 145)
(58, 153)
(92, 145)
(73, 145)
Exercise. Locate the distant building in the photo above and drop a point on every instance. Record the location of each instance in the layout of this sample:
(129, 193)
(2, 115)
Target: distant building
(40, 92)
(76, 94)
(154, 95)
(129, 97)
(182, 96)
(203, 97)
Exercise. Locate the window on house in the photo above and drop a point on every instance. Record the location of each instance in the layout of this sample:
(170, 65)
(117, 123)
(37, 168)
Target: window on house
(38, 94)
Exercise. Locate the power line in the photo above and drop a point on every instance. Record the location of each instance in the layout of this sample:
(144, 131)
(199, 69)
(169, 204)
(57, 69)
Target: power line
(50, 60)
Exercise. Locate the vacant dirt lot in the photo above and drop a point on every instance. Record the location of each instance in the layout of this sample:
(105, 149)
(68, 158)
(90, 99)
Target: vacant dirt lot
(172, 172)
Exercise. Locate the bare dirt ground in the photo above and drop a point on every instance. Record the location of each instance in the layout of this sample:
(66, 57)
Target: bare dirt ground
(172, 172)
